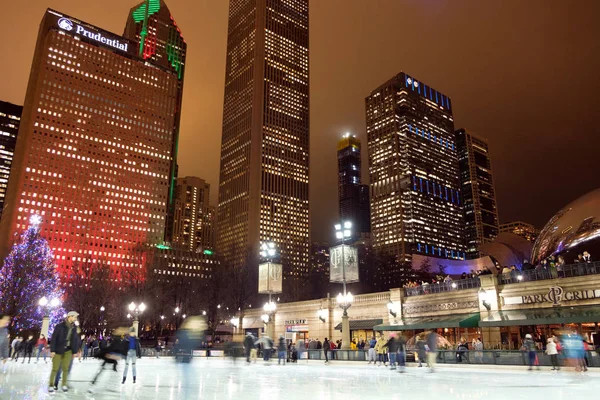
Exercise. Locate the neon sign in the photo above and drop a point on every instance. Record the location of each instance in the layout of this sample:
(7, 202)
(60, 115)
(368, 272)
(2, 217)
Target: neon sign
(68, 25)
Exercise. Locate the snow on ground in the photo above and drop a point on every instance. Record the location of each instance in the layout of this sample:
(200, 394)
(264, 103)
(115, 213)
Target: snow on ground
(221, 379)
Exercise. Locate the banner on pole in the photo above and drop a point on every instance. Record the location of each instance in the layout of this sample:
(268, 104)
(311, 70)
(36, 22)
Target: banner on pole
(270, 278)
(349, 264)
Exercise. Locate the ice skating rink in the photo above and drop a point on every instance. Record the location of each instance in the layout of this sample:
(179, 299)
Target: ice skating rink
(221, 379)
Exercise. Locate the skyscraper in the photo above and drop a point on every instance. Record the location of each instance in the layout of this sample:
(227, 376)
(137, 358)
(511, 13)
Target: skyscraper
(10, 119)
(263, 188)
(193, 222)
(158, 39)
(477, 189)
(413, 167)
(353, 197)
(94, 148)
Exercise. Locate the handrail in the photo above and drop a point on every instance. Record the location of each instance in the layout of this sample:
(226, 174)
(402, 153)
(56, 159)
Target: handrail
(539, 274)
(441, 287)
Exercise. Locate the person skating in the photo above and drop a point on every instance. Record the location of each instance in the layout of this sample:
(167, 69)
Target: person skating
(64, 340)
(132, 345)
(392, 347)
(326, 349)
(381, 350)
(4, 339)
(372, 353)
(27, 349)
(401, 357)
(432, 346)
(281, 350)
(248, 346)
(529, 346)
(41, 345)
(16, 347)
(110, 354)
(421, 350)
(552, 351)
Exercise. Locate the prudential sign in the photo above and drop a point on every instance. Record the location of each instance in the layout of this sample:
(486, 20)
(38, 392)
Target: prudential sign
(67, 25)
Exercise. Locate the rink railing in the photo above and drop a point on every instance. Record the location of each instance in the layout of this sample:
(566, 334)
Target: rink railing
(568, 271)
(494, 357)
(441, 287)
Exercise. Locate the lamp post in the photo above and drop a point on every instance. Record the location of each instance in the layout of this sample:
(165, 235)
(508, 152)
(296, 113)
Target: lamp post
(136, 310)
(47, 306)
(268, 251)
(267, 318)
(342, 232)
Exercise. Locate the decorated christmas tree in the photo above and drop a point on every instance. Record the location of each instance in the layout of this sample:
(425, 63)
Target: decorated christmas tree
(28, 274)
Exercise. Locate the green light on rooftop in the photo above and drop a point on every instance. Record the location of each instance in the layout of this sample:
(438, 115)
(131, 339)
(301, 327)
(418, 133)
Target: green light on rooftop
(163, 247)
(208, 252)
(140, 13)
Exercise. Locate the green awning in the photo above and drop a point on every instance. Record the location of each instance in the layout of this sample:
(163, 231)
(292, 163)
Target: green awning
(542, 316)
(445, 321)
(360, 324)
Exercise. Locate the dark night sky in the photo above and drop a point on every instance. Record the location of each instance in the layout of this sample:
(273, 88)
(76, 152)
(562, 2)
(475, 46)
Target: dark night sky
(524, 74)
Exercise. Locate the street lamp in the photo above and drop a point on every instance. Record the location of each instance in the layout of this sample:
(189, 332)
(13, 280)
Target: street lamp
(136, 310)
(322, 313)
(392, 309)
(343, 231)
(47, 306)
(268, 251)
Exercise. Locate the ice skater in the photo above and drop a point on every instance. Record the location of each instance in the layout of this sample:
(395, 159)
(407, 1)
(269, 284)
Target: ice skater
(27, 349)
(110, 355)
(372, 353)
(4, 339)
(134, 351)
(432, 346)
(41, 345)
(281, 350)
(421, 350)
(64, 341)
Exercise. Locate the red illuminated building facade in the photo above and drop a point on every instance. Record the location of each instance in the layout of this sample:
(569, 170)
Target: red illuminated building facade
(95, 148)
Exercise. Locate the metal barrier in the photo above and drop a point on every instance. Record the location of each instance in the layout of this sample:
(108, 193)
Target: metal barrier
(568, 271)
(505, 357)
(441, 287)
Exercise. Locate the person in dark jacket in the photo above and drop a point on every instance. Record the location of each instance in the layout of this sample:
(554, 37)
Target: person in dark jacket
(421, 350)
(248, 345)
(4, 338)
(326, 349)
(131, 347)
(401, 340)
(64, 342)
(392, 347)
(281, 350)
(28, 349)
(110, 354)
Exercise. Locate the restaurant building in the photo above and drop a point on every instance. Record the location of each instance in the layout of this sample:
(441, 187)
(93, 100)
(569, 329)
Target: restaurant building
(499, 309)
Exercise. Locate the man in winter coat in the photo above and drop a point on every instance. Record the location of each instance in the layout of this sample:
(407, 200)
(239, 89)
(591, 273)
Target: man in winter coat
(281, 350)
(28, 349)
(381, 349)
(401, 357)
(4, 340)
(248, 345)
(131, 346)
(326, 349)
(529, 346)
(421, 350)
(63, 346)
(432, 344)
(392, 347)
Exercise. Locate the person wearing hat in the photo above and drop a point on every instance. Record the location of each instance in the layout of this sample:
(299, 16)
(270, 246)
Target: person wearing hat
(131, 344)
(64, 343)
(529, 346)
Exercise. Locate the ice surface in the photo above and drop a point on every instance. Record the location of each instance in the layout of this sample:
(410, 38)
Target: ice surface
(220, 379)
